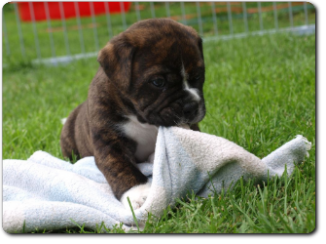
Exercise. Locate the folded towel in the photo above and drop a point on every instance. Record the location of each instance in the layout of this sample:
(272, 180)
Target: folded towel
(45, 192)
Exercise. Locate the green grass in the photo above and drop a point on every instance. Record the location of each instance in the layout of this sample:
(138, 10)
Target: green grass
(103, 33)
(259, 91)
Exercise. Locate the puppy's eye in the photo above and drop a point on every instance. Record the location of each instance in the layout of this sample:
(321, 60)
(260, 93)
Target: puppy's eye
(158, 82)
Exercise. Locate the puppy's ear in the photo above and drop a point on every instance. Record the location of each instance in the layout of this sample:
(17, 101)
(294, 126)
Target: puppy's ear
(116, 60)
(200, 45)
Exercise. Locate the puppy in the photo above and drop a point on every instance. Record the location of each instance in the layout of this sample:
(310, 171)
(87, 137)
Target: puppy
(150, 75)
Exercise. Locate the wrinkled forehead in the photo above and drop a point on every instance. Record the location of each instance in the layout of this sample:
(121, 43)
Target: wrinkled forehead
(146, 32)
(166, 43)
(169, 53)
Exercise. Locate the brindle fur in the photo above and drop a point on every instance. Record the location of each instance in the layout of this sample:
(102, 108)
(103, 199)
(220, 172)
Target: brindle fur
(120, 87)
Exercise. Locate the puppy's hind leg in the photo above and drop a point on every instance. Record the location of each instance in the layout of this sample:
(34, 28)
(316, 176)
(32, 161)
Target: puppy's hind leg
(67, 138)
(63, 120)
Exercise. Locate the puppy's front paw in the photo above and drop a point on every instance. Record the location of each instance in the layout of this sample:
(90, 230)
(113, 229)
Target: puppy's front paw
(137, 195)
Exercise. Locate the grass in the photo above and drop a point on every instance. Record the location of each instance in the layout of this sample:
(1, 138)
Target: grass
(104, 32)
(260, 93)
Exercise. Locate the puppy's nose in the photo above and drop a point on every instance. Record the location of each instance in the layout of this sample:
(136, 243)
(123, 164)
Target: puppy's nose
(190, 108)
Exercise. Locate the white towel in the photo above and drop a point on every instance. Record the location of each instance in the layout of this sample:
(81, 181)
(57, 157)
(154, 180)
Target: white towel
(45, 192)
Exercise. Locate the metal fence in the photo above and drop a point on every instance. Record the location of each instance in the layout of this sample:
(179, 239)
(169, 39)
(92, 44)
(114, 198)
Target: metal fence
(54, 41)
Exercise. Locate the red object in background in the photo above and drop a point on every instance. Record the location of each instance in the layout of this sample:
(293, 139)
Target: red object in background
(69, 9)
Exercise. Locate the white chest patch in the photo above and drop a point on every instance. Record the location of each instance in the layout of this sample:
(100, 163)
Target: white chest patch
(143, 134)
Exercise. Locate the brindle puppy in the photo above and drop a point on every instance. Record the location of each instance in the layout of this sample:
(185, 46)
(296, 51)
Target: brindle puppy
(150, 75)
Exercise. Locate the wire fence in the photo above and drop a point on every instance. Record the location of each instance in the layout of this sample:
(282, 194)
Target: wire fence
(60, 32)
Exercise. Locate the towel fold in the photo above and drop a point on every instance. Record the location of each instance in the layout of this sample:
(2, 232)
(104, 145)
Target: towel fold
(44, 192)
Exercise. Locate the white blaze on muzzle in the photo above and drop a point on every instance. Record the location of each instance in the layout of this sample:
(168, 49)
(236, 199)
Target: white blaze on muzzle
(194, 93)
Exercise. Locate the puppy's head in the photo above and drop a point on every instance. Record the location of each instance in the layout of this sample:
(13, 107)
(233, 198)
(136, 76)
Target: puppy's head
(158, 67)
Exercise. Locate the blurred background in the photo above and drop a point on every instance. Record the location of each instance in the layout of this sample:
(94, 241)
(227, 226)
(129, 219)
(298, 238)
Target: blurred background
(60, 32)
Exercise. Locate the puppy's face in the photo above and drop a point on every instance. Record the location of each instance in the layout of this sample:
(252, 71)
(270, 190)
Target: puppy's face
(158, 67)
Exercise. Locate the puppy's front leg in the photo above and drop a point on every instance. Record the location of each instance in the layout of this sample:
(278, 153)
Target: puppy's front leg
(115, 159)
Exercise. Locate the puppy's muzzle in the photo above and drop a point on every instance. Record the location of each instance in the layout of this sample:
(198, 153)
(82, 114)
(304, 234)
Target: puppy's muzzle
(190, 110)
(193, 111)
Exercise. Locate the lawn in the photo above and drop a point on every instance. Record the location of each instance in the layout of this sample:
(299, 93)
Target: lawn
(260, 93)
(80, 37)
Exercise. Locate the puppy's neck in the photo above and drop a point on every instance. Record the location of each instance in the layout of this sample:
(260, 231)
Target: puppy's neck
(143, 134)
